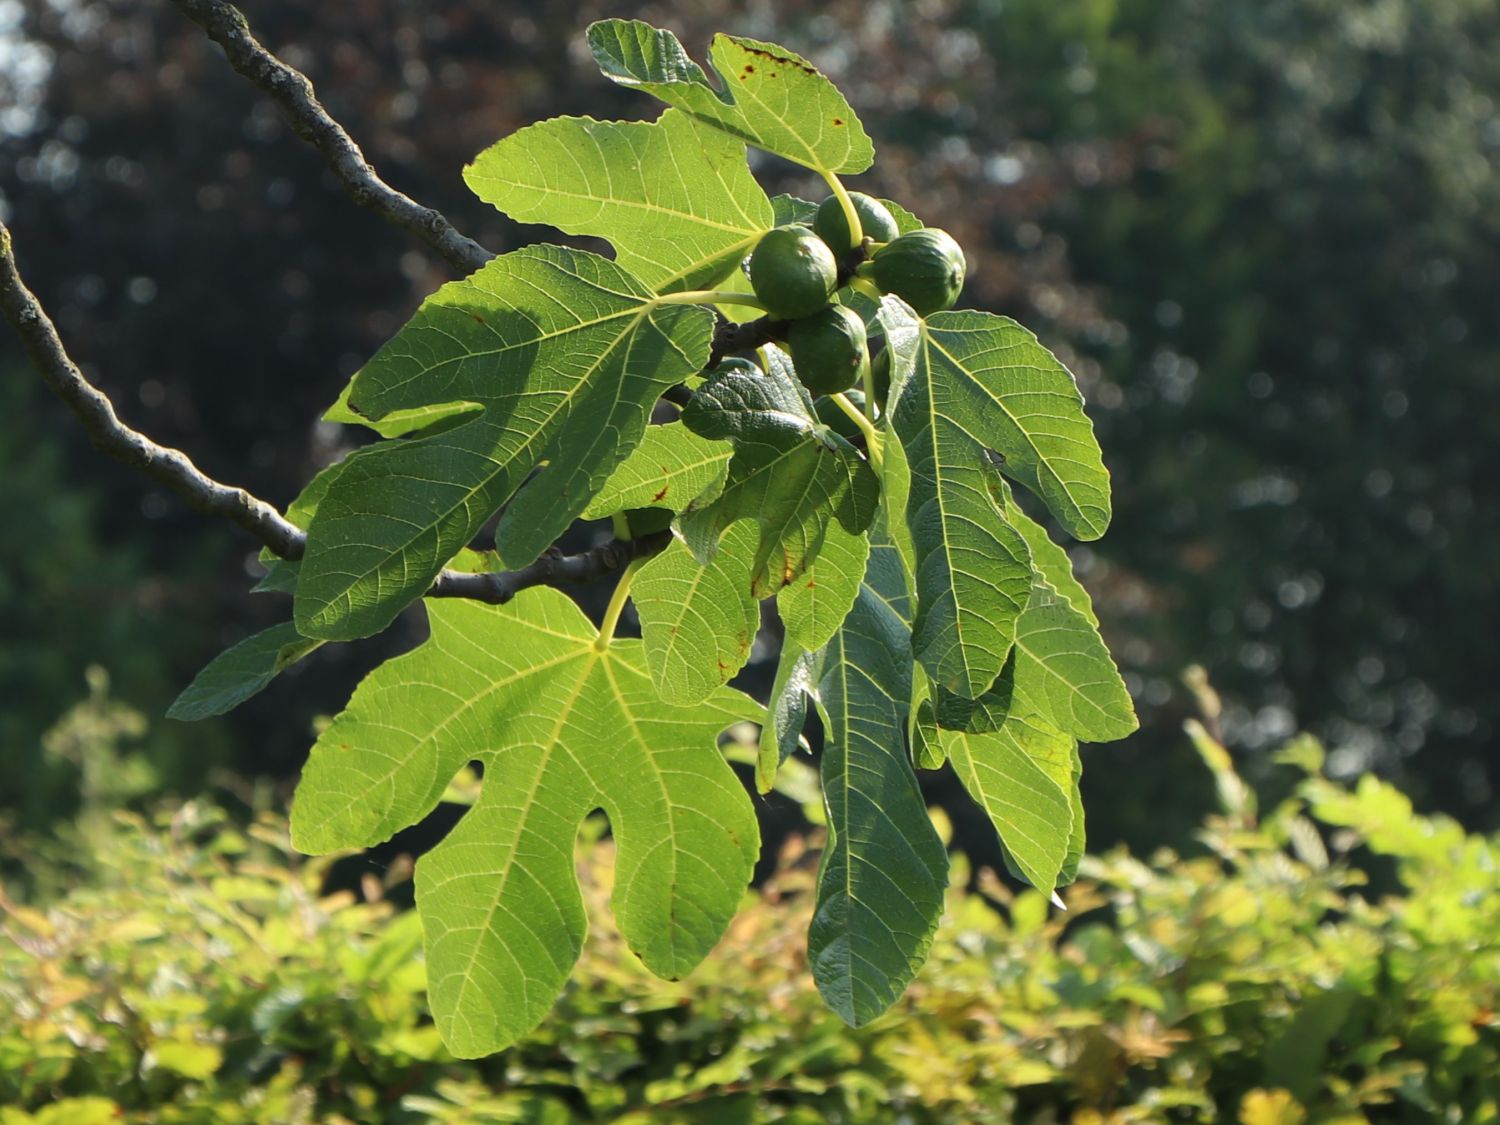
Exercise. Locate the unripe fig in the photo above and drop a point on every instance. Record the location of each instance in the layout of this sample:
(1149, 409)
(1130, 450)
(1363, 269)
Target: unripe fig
(829, 349)
(739, 363)
(792, 272)
(832, 225)
(925, 268)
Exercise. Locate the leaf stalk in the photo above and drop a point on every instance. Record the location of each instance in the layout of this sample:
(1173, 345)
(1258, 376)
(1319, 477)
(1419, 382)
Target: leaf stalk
(851, 216)
(710, 297)
(873, 441)
(616, 605)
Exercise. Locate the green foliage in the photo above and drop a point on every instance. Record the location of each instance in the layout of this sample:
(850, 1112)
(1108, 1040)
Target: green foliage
(673, 196)
(523, 397)
(586, 351)
(789, 473)
(880, 885)
(199, 975)
(771, 98)
(241, 671)
(563, 725)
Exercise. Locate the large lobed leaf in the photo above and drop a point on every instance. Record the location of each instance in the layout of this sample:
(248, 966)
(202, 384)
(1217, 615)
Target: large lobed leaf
(563, 354)
(561, 728)
(880, 888)
(674, 196)
(768, 96)
(974, 396)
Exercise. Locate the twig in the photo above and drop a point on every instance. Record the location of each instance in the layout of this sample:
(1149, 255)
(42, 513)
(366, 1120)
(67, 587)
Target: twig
(551, 569)
(293, 93)
(171, 467)
(732, 338)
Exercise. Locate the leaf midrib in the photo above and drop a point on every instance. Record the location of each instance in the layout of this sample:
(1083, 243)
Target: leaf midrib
(544, 767)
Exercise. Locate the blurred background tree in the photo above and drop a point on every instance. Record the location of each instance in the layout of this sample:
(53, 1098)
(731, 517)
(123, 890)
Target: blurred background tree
(1264, 233)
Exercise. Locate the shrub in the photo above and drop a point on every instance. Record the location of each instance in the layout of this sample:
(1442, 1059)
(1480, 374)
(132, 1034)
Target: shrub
(201, 975)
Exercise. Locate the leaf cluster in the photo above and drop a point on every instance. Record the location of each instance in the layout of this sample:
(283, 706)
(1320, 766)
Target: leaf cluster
(927, 616)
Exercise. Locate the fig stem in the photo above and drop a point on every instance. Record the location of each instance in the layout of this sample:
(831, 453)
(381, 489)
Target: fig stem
(851, 216)
(872, 436)
(710, 297)
(616, 605)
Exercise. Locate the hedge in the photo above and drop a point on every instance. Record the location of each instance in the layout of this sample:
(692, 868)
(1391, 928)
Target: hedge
(200, 974)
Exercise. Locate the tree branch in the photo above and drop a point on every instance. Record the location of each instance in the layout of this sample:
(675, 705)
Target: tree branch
(175, 470)
(551, 569)
(293, 93)
(93, 408)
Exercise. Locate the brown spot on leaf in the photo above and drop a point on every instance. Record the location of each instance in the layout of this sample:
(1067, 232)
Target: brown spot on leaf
(749, 68)
(478, 319)
(662, 493)
(838, 120)
(775, 58)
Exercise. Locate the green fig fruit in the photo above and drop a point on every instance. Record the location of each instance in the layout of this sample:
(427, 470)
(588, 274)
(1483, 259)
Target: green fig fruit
(792, 272)
(832, 226)
(739, 363)
(925, 268)
(829, 349)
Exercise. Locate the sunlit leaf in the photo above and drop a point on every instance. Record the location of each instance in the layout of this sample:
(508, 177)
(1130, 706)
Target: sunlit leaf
(561, 727)
(675, 196)
(566, 353)
(1064, 670)
(769, 96)
(1020, 774)
(972, 567)
(813, 606)
(671, 468)
(698, 620)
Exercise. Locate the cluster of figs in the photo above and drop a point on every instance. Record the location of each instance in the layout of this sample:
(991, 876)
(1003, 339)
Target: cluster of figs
(795, 271)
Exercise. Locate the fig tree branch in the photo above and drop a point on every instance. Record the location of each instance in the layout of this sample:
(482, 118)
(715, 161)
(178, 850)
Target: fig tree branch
(175, 469)
(292, 92)
(170, 467)
(552, 569)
